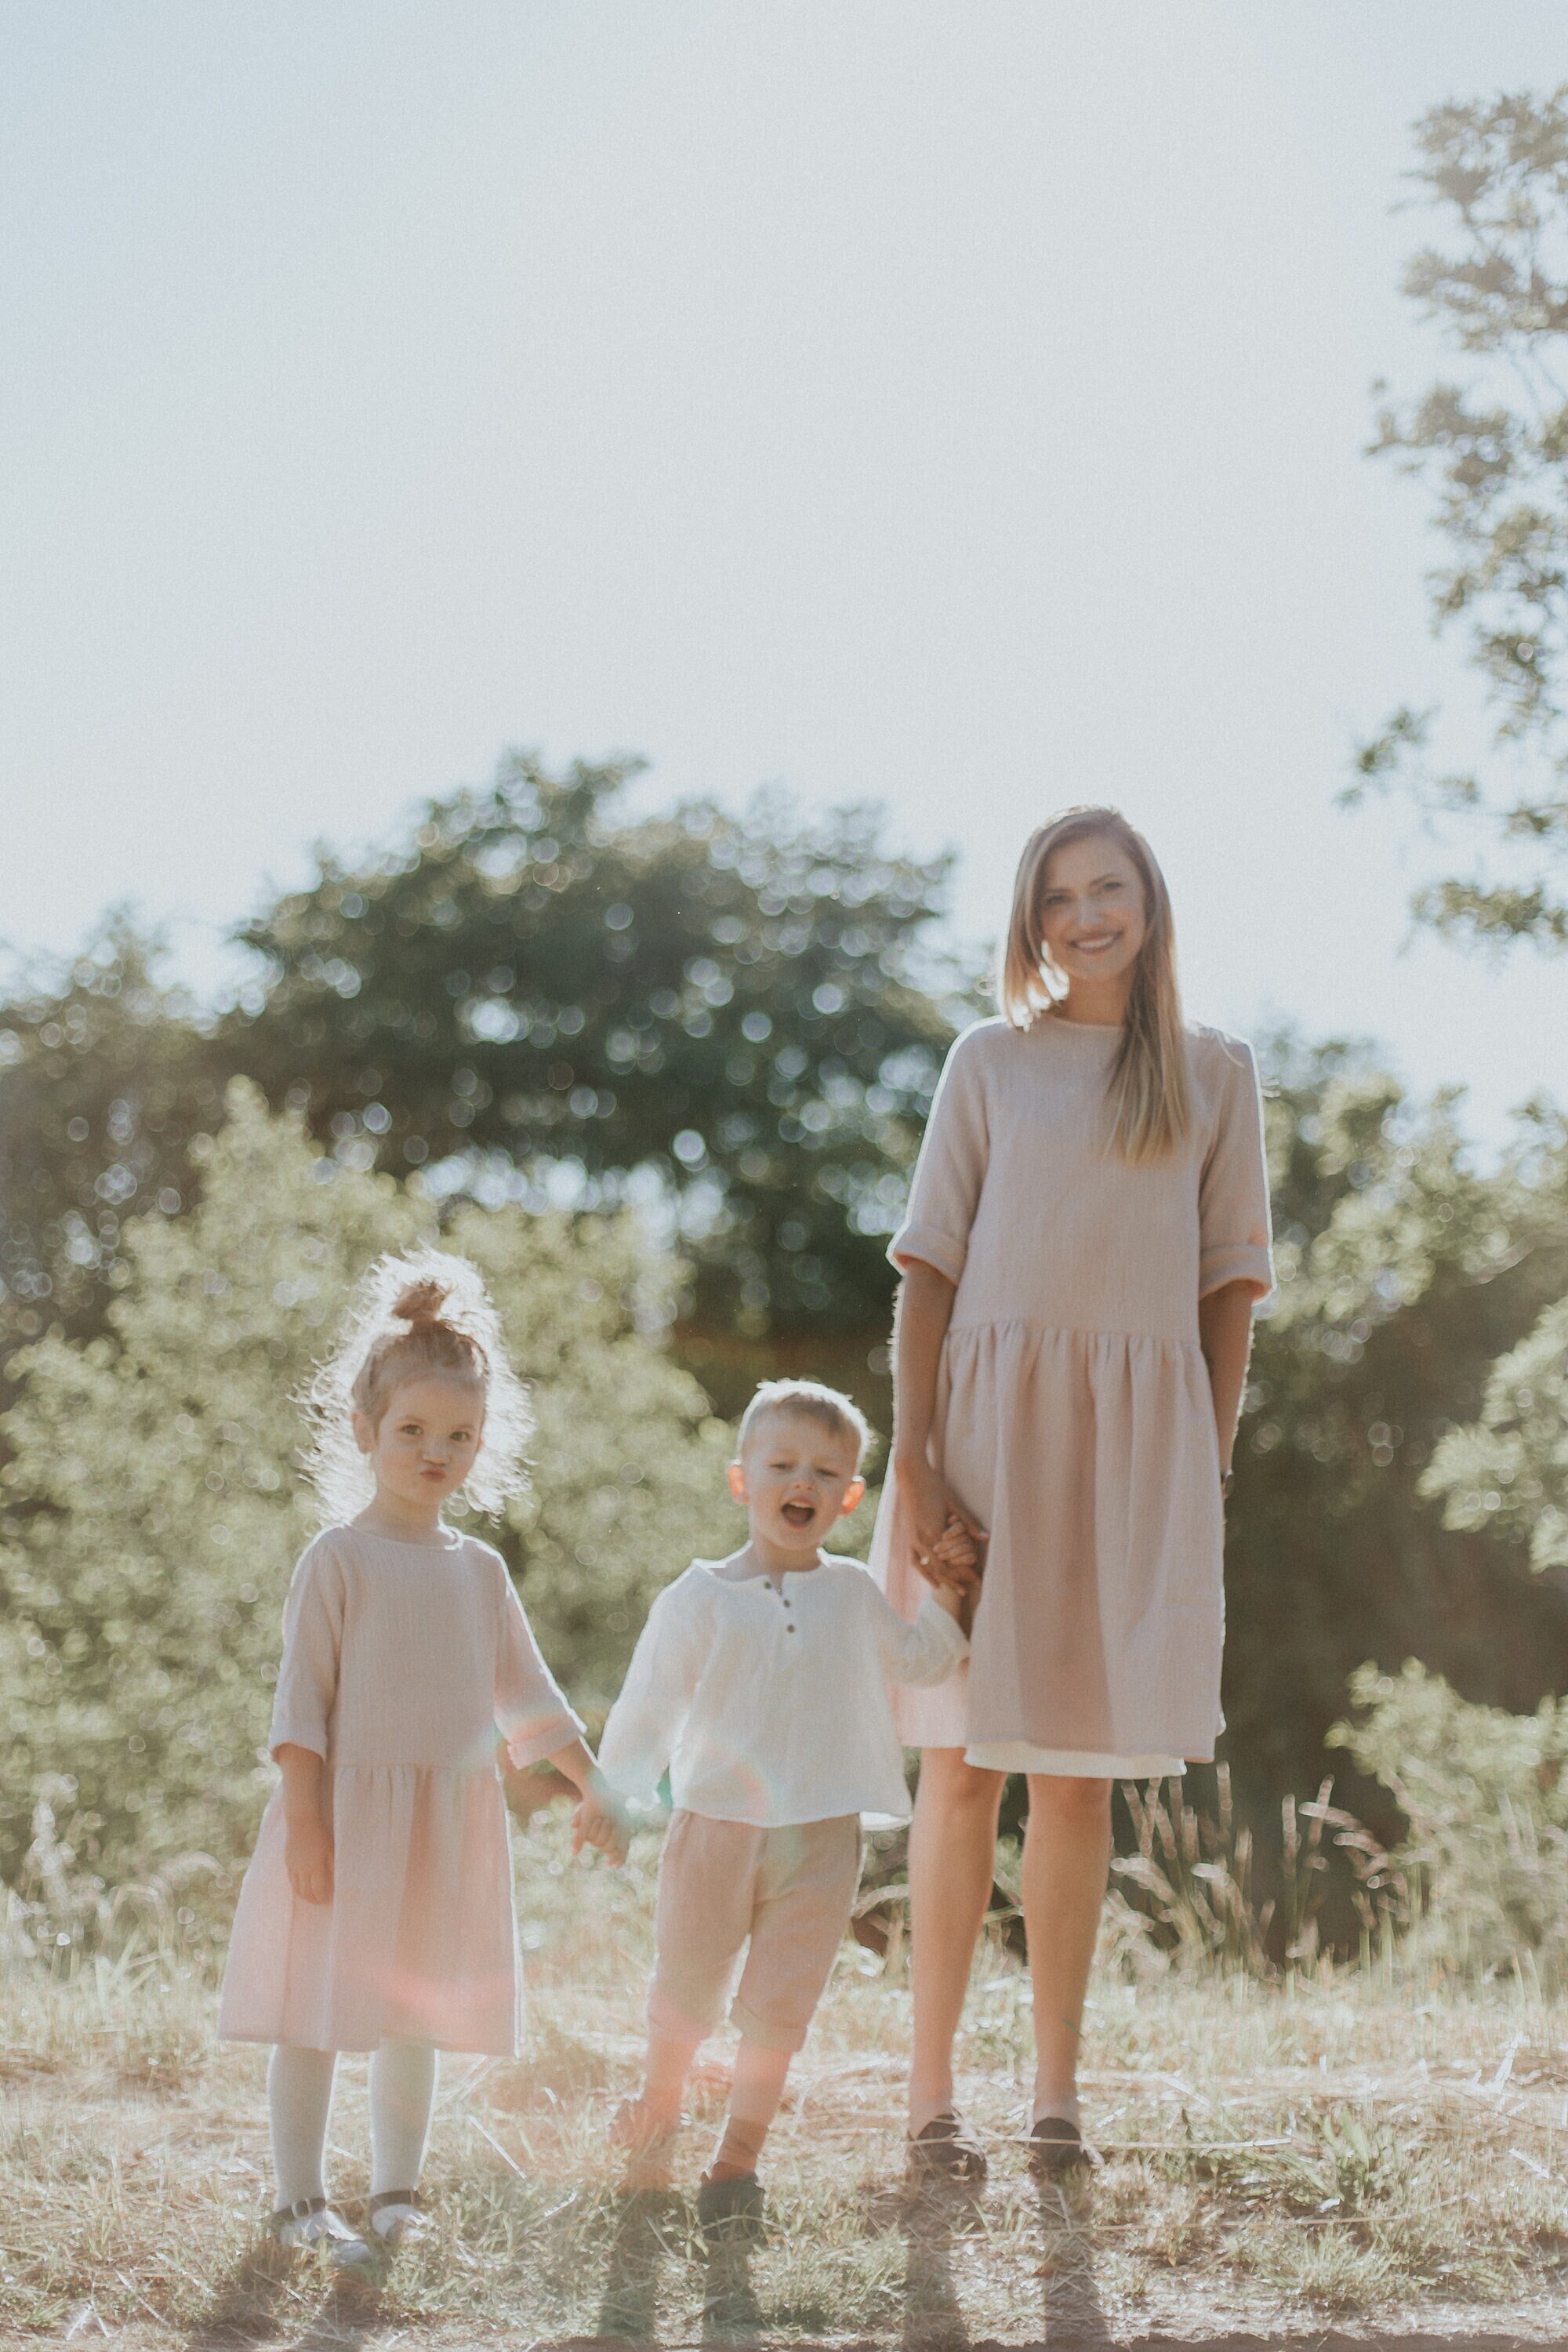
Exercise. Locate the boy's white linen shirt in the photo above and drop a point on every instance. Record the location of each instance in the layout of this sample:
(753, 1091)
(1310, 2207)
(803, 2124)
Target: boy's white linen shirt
(756, 1723)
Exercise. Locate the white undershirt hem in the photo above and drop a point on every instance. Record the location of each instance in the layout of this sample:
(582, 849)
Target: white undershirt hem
(1071, 1763)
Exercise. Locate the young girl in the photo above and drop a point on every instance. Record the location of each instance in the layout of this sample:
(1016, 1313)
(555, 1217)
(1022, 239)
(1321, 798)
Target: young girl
(377, 1911)
(1087, 1236)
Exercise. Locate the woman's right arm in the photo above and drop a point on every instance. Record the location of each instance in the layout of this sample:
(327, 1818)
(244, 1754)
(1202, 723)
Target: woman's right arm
(924, 1310)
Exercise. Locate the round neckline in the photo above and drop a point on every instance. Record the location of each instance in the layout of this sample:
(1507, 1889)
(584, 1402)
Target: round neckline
(1096, 1028)
(407, 1543)
(763, 1575)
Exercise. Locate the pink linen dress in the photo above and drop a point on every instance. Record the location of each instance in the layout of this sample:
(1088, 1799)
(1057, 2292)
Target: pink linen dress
(1074, 1416)
(401, 1661)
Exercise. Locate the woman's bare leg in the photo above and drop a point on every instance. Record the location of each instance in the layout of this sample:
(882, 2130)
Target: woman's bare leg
(1067, 1862)
(952, 1857)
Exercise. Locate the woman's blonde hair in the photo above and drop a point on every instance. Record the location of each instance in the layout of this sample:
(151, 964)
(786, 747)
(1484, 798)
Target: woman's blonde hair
(425, 1313)
(1148, 1091)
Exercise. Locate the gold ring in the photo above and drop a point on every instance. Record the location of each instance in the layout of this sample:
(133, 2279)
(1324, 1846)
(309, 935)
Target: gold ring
(923, 1557)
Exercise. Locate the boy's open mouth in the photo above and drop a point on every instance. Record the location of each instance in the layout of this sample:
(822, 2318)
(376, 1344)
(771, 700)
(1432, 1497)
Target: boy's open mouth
(798, 1514)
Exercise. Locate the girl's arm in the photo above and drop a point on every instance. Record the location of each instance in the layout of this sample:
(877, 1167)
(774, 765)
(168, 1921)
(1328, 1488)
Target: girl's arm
(1224, 1335)
(532, 1712)
(924, 1310)
(302, 1708)
(307, 1841)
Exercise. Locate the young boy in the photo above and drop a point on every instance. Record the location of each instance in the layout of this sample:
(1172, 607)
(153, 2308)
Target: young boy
(760, 1682)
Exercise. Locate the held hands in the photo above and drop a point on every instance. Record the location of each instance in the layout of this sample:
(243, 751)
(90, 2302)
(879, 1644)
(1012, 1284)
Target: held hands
(307, 1857)
(946, 1537)
(601, 1821)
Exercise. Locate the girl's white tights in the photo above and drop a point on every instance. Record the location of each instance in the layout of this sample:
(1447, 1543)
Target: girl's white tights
(299, 2096)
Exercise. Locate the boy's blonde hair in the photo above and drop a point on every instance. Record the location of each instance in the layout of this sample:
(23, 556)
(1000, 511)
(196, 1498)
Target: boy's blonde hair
(1148, 1090)
(423, 1314)
(829, 1406)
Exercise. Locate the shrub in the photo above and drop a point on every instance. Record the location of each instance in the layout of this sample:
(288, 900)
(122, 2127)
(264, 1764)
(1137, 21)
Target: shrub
(1484, 1794)
(153, 1506)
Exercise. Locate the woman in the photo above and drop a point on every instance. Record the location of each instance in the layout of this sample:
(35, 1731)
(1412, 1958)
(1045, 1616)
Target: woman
(1087, 1238)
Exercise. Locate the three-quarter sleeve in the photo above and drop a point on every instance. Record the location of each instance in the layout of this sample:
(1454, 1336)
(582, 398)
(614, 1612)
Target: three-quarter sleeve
(1233, 1195)
(307, 1689)
(949, 1172)
(646, 1722)
(531, 1710)
(919, 1651)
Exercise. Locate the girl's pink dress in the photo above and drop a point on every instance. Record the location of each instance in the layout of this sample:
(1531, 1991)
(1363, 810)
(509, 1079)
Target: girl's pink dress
(1074, 1416)
(401, 1663)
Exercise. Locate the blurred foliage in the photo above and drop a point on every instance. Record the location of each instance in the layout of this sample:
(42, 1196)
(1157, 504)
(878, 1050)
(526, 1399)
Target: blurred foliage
(1486, 1798)
(1494, 452)
(104, 1078)
(1507, 1471)
(152, 1509)
(538, 999)
(1404, 1272)
(742, 1004)
(531, 986)
(1474, 1783)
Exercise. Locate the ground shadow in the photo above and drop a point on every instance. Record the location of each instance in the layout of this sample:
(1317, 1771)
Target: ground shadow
(1073, 2316)
(246, 2300)
(647, 2226)
(268, 2292)
(730, 2310)
(929, 2220)
(936, 2217)
(933, 2320)
(348, 2318)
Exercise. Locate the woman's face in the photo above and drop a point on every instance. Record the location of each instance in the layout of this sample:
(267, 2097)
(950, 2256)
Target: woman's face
(1092, 913)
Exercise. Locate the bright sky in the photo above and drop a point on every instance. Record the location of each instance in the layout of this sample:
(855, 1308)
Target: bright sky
(954, 402)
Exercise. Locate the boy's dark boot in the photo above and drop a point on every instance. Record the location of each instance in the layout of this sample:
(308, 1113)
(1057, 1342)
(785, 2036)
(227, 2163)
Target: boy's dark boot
(730, 2212)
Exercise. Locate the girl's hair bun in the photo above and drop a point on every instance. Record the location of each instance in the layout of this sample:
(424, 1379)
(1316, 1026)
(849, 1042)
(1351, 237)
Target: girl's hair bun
(422, 1301)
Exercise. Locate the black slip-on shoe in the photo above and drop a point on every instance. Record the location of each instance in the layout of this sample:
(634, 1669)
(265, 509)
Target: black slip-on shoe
(947, 2149)
(1056, 2146)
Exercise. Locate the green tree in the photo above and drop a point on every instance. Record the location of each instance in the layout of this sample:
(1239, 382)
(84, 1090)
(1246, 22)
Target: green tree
(1485, 1797)
(1405, 1273)
(1507, 1471)
(1494, 453)
(747, 1007)
(104, 1079)
(153, 1509)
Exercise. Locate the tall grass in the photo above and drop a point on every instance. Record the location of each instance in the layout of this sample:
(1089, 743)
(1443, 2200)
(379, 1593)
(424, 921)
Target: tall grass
(1188, 1892)
(1353, 2140)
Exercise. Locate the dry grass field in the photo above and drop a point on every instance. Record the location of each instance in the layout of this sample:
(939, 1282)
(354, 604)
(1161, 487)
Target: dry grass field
(1352, 2155)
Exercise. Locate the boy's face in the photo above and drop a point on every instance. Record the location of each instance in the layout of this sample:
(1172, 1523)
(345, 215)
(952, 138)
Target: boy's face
(796, 1477)
(429, 1438)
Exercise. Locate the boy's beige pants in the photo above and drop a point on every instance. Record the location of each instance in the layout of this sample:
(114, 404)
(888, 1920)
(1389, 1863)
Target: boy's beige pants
(790, 1890)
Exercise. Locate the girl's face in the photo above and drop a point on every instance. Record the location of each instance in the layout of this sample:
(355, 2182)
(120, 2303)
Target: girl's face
(428, 1441)
(1092, 914)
